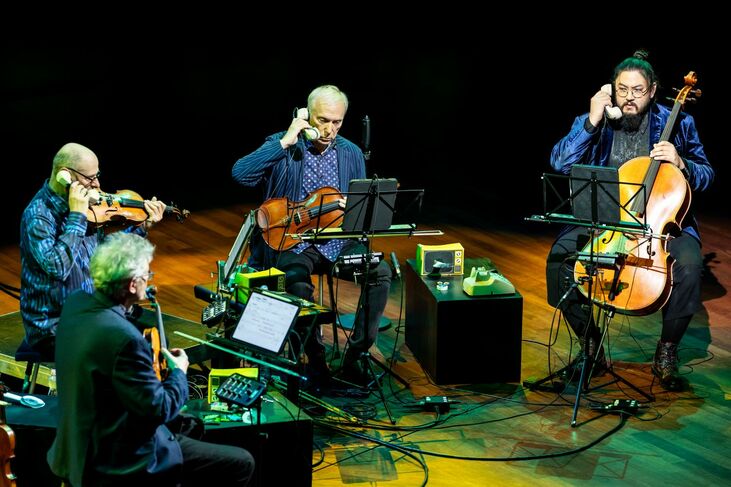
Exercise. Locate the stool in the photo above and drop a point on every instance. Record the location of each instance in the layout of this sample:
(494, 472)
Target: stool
(26, 353)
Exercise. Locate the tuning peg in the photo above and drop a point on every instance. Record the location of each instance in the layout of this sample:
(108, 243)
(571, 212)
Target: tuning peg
(697, 93)
(690, 99)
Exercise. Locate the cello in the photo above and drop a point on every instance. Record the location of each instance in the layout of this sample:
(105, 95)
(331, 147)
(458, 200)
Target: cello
(7, 447)
(640, 280)
(279, 218)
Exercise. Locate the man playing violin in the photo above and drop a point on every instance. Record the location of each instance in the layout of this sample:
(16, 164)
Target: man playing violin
(289, 165)
(114, 413)
(56, 242)
(596, 139)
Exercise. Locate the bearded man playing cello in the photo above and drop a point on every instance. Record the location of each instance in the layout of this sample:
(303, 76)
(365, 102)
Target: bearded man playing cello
(596, 140)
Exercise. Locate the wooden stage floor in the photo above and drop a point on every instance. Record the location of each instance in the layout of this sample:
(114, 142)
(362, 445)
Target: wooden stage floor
(497, 434)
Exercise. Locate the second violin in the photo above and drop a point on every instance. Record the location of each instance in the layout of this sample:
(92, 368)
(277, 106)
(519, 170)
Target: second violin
(124, 206)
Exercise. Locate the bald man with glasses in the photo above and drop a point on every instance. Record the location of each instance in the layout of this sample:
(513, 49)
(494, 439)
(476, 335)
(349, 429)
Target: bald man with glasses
(56, 243)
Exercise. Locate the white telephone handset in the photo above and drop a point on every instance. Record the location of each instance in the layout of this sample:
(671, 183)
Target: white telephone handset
(63, 177)
(613, 113)
(311, 133)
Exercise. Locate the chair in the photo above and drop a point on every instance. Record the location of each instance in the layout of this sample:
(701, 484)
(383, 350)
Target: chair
(320, 300)
(34, 358)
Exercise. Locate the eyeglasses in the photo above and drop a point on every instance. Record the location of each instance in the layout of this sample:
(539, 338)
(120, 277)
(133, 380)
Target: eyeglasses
(636, 92)
(91, 179)
(147, 277)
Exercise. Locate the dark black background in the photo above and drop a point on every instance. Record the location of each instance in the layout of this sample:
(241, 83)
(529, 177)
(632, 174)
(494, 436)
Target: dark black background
(473, 123)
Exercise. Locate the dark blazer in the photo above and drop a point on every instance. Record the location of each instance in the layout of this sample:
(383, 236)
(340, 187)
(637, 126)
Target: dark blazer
(112, 407)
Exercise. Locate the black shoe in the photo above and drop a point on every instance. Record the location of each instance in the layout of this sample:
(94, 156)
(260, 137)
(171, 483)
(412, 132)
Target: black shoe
(572, 372)
(353, 374)
(665, 367)
(318, 379)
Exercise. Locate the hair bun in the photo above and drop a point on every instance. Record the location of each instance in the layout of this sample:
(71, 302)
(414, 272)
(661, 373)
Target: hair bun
(641, 54)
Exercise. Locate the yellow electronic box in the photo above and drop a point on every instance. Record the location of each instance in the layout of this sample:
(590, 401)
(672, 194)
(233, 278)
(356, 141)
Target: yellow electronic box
(272, 279)
(443, 260)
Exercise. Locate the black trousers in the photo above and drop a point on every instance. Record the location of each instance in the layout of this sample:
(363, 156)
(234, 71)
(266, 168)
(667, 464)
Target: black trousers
(203, 464)
(684, 298)
(298, 269)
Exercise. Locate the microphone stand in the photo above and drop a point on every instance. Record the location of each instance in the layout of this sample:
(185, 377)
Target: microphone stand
(366, 138)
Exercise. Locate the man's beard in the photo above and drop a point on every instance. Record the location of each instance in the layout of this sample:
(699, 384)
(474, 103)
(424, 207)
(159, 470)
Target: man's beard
(630, 122)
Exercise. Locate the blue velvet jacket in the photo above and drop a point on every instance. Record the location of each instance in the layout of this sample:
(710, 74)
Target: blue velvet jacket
(582, 147)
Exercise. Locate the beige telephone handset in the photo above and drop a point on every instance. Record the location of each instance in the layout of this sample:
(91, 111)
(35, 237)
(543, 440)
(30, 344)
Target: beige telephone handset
(613, 113)
(64, 177)
(311, 133)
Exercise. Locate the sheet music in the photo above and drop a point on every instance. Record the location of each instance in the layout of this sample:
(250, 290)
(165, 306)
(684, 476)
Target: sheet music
(265, 322)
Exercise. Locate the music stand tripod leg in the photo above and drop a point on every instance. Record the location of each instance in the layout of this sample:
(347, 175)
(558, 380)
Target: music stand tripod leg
(583, 379)
(586, 358)
(368, 367)
(387, 370)
(365, 357)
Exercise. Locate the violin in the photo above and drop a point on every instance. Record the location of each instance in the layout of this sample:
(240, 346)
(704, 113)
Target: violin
(7, 449)
(156, 337)
(124, 206)
(280, 217)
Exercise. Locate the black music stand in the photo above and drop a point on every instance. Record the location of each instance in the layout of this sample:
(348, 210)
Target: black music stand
(586, 184)
(368, 213)
(378, 219)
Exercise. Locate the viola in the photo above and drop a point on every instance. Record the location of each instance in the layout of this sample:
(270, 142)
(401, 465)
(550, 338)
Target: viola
(280, 217)
(7, 449)
(156, 337)
(123, 207)
(640, 281)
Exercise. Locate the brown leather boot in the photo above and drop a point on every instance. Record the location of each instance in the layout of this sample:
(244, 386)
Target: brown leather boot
(665, 366)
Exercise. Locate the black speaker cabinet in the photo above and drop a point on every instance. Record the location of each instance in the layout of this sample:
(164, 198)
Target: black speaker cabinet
(281, 444)
(460, 339)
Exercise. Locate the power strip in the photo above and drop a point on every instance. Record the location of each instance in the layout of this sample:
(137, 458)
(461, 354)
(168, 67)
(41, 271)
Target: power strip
(627, 406)
(439, 404)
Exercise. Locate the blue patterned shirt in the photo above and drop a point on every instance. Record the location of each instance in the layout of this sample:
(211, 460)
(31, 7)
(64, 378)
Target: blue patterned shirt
(55, 251)
(321, 170)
